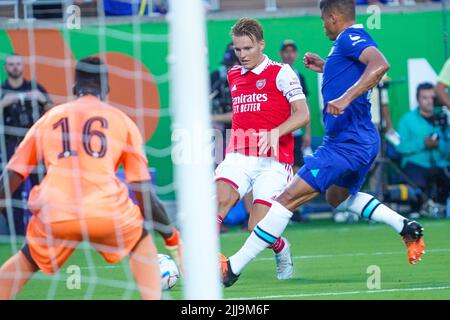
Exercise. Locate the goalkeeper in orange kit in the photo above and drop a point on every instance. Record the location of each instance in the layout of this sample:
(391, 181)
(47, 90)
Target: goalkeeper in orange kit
(82, 144)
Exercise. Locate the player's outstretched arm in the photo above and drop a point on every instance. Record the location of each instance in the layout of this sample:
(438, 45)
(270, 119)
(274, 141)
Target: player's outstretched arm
(9, 180)
(151, 207)
(141, 190)
(314, 62)
(377, 66)
(298, 119)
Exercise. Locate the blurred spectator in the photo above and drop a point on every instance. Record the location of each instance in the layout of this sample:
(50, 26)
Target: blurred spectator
(221, 103)
(381, 118)
(22, 103)
(425, 146)
(121, 7)
(443, 84)
(427, 1)
(221, 106)
(371, 2)
(134, 7)
(221, 116)
(393, 2)
(48, 11)
(381, 91)
(160, 6)
(302, 136)
(54, 10)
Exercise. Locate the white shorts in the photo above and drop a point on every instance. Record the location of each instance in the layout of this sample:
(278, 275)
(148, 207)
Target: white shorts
(265, 176)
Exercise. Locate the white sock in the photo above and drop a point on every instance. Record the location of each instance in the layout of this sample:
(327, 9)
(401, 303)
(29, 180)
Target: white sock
(269, 229)
(370, 208)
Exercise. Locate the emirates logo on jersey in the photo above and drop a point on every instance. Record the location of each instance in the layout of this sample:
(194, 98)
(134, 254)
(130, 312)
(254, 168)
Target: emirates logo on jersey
(260, 84)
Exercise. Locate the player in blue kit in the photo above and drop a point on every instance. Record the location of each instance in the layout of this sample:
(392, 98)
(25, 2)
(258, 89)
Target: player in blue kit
(339, 166)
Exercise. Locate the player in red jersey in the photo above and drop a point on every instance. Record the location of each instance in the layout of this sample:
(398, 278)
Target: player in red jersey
(268, 105)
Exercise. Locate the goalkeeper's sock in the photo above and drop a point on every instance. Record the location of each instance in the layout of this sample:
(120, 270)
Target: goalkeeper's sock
(144, 267)
(173, 239)
(174, 246)
(14, 274)
(370, 208)
(266, 233)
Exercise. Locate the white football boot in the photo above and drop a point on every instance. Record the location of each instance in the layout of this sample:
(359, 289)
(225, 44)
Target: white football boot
(285, 266)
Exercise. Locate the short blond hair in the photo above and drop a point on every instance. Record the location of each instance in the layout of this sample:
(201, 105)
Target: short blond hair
(248, 27)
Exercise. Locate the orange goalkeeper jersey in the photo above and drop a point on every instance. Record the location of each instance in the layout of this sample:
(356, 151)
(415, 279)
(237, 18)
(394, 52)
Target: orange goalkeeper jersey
(82, 144)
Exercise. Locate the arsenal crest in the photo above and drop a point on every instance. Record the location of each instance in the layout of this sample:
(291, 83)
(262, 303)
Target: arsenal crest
(260, 84)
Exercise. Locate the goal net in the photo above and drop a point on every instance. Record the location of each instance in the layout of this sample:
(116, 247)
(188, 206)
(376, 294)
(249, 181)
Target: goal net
(157, 69)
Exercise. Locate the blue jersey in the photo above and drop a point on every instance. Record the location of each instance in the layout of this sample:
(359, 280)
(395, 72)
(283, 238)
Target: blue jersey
(341, 71)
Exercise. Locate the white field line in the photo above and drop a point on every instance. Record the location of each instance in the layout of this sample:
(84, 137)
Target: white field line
(320, 256)
(360, 254)
(328, 294)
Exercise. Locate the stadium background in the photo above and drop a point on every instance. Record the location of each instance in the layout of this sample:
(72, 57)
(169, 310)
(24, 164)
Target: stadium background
(403, 35)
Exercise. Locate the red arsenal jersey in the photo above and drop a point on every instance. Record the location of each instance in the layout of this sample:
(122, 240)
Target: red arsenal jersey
(261, 102)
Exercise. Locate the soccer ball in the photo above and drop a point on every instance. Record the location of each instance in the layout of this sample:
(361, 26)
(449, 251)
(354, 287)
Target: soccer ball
(169, 271)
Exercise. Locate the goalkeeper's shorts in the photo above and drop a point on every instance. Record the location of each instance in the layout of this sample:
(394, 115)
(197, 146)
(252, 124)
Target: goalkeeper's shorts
(50, 245)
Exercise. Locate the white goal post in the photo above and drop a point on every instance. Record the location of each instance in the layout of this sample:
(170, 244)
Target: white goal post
(194, 177)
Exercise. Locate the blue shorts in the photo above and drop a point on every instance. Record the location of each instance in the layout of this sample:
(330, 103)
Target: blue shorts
(344, 164)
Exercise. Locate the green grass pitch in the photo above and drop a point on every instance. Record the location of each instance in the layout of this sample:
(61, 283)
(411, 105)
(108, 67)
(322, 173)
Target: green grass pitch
(332, 261)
